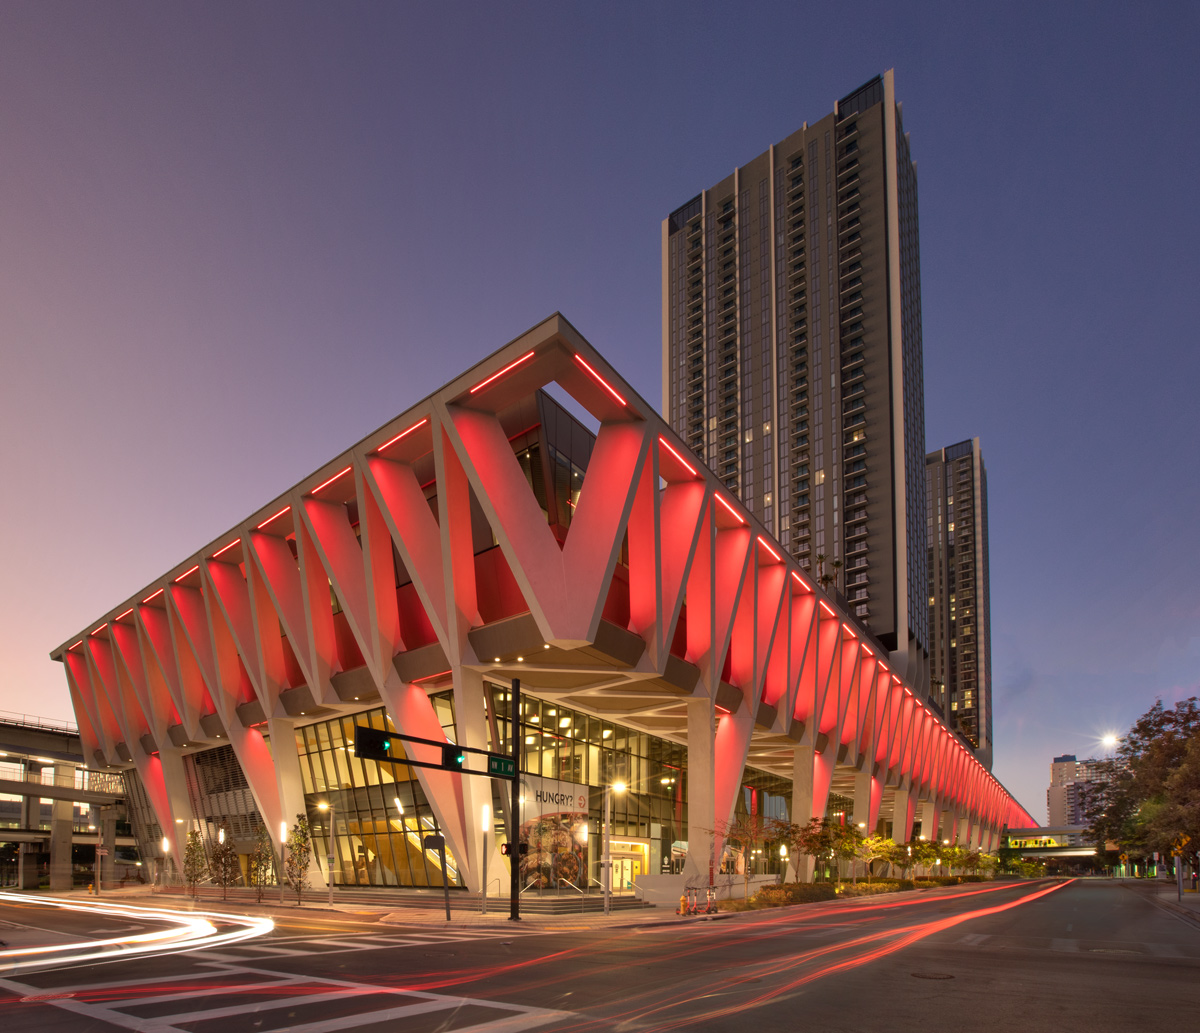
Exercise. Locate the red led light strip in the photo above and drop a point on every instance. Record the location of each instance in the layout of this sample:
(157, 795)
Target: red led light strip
(406, 433)
(275, 517)
(187, 572)
(512, 365)
(222, 552)
(600, 380)
(801, 582)
(76, 645)
(737, 516)
(690, 469)
(154, 596)
(99, 629)
(825, 607)
(766, 545)
(125, 614)
(430, 677)
(849, 630)
(336, 477)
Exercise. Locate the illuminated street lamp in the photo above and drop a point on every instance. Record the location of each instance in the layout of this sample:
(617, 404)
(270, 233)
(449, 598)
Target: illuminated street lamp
(329, 856)
(606, 854)
(282, 850)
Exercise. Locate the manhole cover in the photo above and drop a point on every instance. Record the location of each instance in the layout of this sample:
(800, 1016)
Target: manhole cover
(932, 975)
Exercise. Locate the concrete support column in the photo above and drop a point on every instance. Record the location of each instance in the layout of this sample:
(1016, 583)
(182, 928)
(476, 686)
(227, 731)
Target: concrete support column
(701, 753)
(862, 801)
(470, 721)
(291, 788)
(27, 853)
(108, 830)
(812, 775)
(902, 816)
(62, 827)
(929, 819)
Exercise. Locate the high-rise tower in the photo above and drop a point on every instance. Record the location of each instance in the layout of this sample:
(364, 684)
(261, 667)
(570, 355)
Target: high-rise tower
(960, 635)
(792, 354)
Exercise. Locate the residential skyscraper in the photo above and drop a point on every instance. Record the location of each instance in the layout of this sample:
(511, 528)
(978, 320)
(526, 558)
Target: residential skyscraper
(1070, 782)
(960, 638)
(792, 354)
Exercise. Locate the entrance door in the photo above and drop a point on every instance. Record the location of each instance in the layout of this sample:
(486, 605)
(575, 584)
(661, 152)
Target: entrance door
(626, 869)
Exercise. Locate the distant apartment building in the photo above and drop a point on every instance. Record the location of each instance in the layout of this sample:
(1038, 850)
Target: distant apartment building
(1069, 782)
(960, 646)
(792, 354)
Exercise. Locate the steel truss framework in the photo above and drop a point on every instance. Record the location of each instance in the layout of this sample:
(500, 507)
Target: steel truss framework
(724, 643)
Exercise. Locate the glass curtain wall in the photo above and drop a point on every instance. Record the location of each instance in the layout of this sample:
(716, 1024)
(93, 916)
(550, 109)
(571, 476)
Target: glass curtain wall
(380, 812)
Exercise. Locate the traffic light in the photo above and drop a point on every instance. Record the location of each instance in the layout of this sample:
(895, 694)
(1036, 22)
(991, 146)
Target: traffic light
(507, 848)
(371, 743)
(453, 758)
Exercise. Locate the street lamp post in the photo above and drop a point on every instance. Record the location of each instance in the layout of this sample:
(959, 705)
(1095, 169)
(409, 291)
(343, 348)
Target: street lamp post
(282, 856)
(329, 855)
(487, 820)
(96, 868)
(166, 848)
(606, 853)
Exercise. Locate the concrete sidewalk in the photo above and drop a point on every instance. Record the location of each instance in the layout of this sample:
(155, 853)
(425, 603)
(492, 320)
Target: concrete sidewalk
(317, 908)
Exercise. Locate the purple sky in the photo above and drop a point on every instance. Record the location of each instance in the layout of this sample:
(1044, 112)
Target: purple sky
(235, 238)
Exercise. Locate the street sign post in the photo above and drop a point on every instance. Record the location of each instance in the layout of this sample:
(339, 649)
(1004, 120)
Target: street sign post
(501, 767)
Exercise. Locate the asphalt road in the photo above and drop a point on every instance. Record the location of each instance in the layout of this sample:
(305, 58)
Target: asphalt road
(1091, 956)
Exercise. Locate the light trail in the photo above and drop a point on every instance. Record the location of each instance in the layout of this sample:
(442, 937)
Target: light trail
(194, 930)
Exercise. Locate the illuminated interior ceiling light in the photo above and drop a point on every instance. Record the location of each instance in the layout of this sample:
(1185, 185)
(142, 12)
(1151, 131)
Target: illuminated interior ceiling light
(336, 477)
(495, 376)
(497, 660)
(767, 545)
(403, 434)
(564, 722)
(546, 646)
(187, 572)
(688, 466)
(600, 380)
(221, 552)
(273, 517)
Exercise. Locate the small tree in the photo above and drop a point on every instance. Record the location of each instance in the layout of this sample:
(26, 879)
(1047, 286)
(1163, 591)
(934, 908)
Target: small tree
(195, 863)
(822, 837)
(872, 849)
(748, 831)
(224, 864)
(923, 853)
(262, 861)
(299, 852)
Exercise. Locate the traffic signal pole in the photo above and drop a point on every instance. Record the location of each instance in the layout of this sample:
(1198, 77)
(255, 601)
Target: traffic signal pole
(514, 829)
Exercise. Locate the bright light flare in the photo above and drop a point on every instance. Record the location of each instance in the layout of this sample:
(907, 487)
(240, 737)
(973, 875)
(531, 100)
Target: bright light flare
(184, 932)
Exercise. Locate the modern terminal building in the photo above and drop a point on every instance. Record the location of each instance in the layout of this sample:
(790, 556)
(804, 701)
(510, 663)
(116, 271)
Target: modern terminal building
(664, 639)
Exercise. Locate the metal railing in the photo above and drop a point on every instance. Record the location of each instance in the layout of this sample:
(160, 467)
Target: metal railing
(8, 717)
(80, 778)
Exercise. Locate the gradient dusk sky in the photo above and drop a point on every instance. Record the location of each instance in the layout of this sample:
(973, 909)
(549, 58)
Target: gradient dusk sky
(234, 238)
